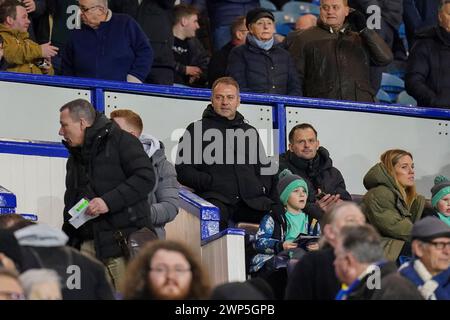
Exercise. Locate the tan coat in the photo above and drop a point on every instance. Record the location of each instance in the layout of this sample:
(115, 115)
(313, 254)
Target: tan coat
(20, 52)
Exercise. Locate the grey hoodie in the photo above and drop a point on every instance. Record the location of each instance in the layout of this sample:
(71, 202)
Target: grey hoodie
(163, 199)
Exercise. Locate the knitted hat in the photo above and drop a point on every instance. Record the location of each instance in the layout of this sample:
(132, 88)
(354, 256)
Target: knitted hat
(430, 228)
(441, 189)
(287, 183)
(256, 14)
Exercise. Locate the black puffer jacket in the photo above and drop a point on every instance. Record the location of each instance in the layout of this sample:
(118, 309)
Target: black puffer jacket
(120, 173)
(335, 65)
(262, 71)
(318, 173)
(428, 73)
(228, 183)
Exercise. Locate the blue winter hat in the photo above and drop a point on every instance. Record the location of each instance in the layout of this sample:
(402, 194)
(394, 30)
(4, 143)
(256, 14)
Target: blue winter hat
(288, 182)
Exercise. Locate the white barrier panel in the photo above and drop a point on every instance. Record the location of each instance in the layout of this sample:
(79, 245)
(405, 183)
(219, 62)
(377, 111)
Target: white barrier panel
(31, 111)
(162, 116)
(356, 140)
(38, 183)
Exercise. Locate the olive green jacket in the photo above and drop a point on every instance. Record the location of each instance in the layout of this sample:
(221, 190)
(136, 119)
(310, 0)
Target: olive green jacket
(387, 211)
(20, 52)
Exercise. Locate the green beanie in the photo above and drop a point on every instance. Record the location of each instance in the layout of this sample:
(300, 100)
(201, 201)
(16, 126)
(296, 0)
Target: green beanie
(287, 183)
(440, 189)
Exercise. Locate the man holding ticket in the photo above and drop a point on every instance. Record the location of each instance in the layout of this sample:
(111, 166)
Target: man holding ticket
(108, 179)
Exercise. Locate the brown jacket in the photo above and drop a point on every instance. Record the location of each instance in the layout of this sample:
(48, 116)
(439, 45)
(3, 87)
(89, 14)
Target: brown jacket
(335, 65)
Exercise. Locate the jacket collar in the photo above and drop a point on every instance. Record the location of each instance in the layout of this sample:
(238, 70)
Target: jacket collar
(343, 29)
(209, 113)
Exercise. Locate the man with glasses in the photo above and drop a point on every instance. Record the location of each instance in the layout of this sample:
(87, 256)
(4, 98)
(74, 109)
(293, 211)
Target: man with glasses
(430, 268)
(108, 46)
(10, 287)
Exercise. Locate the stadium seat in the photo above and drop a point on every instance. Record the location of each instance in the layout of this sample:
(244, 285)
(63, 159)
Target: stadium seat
(383, 97)
(267, 5)
(405, 99)
(393, 85)
(284, 17)
(301, 8)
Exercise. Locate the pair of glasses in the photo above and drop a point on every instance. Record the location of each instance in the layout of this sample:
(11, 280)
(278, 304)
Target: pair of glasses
(440, 245)
(9, 295)
(164, 271)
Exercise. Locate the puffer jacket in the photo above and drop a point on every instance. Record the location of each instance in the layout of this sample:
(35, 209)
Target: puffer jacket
(262, 71)
(386, 209)
(427, 76)
(20, 52)
(335, 65)
(111, 165)
(163, 199)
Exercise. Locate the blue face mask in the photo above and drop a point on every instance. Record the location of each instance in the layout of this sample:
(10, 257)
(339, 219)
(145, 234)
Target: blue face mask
(265, 45)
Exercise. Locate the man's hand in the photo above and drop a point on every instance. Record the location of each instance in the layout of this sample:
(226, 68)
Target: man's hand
(30, 6)
(97, 206)
(7, 263)
(48, 51)
(328, 201)
(289, 245)
(193, 71)
(314, 246)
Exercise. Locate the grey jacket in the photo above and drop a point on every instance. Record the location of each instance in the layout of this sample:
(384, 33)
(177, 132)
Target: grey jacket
(163, 199)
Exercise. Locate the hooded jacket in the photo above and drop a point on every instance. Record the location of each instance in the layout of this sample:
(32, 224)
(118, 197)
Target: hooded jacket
(386, 209)
(163, 199)
(427, 76)
(20, 52)
(318, 173)
(228, 183)
(112, 165)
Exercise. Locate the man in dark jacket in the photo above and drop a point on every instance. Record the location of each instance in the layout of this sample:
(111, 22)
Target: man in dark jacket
(312, 162)
(108, 167)
(313, 277)
(155, 18)
(427, 75)
(360, 264)
(191, 59)
(218, 64)
(231, 172)
(417, 15)
(333, 61)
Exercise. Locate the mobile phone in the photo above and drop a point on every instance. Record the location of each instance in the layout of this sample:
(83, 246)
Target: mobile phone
(320, 195)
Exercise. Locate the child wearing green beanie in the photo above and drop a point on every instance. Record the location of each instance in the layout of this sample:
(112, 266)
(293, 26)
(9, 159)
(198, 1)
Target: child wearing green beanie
(440, 198)
(276, 233)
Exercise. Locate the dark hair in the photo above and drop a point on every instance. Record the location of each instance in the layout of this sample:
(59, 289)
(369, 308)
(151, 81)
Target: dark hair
(443, 3)
(183, 10)
(8, 9)
(238, 22)
(302, 126)
(135, 283)
(80, 108)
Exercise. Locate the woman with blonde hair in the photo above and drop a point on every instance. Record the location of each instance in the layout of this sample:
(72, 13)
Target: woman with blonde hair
(165, 270)
(391, 203)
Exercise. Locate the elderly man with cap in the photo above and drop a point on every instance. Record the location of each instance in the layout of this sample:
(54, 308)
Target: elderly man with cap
(430, 269)
(261, 65)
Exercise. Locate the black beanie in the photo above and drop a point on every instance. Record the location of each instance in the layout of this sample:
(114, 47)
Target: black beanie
(256, 14)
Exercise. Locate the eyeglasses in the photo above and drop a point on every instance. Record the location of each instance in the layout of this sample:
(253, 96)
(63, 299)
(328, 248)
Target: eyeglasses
(440, 245)
(9, 295)
(164, 271)
(86, 10)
